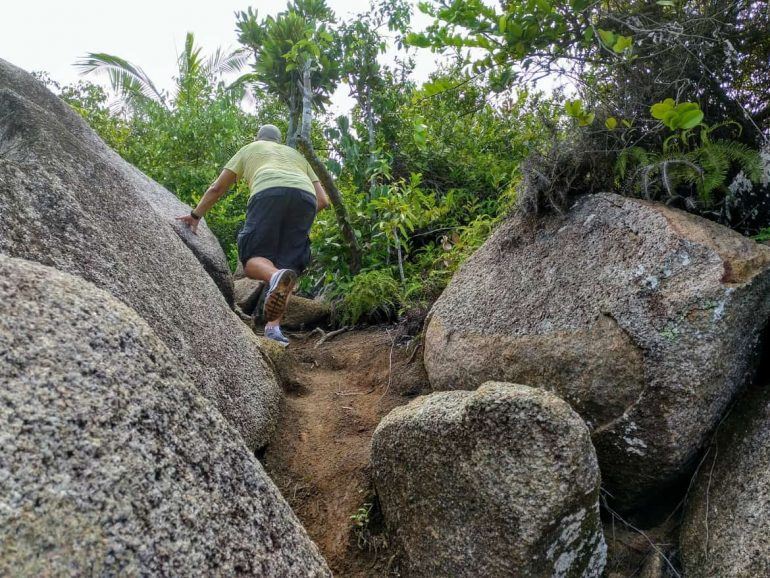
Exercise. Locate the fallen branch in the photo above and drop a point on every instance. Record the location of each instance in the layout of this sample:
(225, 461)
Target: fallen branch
(332, 334)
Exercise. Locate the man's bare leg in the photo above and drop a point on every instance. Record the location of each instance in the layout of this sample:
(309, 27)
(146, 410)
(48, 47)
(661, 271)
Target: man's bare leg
(262, 269)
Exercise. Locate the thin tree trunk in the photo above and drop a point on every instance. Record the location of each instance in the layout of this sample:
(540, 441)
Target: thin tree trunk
(307, 102)
(306, 147)
(291, 135)
(372, 140)
(400, 259)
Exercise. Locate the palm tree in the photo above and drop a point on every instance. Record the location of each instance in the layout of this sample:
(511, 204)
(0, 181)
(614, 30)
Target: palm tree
(134, 87)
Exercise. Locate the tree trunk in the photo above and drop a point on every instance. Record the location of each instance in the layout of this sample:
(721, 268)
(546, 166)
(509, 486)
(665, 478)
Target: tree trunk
(307, 102)
(400, 258)
(291, 135)
(336, 199)
(372, 140)
(306, 146)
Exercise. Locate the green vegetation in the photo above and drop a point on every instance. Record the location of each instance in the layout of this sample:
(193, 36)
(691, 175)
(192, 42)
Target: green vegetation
(665, 100)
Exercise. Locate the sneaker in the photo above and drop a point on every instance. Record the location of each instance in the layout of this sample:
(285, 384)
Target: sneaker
(278, 293)
(274, 332)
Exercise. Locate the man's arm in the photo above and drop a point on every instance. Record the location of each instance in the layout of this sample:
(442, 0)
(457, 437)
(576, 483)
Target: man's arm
(215, 192)
(321, 198)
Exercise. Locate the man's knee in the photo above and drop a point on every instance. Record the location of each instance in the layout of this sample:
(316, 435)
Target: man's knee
(259, 268)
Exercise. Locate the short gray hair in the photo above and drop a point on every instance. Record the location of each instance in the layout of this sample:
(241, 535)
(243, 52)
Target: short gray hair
(270, 132)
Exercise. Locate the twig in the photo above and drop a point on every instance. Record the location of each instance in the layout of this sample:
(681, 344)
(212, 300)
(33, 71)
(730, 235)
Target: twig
(390, 364)
(411, 357)
(331, 335)
(708, 489)
(307, 335)
(646, 537)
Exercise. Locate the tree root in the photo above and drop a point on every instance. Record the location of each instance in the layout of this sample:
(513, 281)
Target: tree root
(332, 334)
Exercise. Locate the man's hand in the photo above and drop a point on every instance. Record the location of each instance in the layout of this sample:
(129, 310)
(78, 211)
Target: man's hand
(191, 222)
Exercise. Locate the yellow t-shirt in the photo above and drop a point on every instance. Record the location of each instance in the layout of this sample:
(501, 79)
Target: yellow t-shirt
(266, 164)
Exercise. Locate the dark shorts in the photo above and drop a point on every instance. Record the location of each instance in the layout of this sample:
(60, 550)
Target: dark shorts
(278, 222)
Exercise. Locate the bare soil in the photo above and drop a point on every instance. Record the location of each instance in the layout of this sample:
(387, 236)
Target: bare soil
(336, 395)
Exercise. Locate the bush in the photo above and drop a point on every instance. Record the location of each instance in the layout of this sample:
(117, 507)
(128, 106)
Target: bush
(373, 296)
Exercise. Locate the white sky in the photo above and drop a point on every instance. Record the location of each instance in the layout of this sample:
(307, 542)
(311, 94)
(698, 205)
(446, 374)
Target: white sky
(51, 35)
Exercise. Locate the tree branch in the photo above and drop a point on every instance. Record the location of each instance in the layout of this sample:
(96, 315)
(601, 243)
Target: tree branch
(306, 147)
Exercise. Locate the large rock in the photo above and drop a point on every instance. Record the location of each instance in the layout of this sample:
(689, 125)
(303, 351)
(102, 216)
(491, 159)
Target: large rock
(726, 529)
(69, 202)
(111, 462)
(498, 482)
(247, 293)
(204, 245)
(642, 317)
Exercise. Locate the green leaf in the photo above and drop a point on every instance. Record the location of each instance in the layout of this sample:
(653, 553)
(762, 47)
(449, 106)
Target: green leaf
(416, 39)
(664, 3)
(690, 118)
(671, 119)
(687, 106)
(660, 109)
(573, 107)
(502, 23)
(622, 44)
(611, 123)
(607, 37)
(587, 119)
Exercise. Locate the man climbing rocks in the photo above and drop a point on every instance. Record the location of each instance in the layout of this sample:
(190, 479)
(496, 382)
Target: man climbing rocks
(273, 244)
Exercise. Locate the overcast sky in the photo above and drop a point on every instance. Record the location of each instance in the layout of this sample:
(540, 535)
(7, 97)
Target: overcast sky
(51, 35)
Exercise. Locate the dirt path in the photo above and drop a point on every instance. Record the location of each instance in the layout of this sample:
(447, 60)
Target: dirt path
(336, 395)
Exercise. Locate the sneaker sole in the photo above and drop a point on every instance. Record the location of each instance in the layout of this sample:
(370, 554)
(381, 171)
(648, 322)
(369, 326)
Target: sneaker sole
(275, 302)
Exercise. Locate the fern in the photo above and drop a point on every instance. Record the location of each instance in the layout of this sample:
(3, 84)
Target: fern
(694, 175)
(635, 156)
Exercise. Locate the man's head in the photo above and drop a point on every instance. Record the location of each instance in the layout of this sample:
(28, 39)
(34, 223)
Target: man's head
(269, 132)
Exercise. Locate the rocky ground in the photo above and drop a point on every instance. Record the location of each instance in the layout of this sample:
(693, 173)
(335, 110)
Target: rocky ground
(585, 398)
(336, 395)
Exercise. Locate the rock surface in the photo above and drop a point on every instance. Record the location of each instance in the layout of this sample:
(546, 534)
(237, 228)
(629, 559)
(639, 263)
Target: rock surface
(111, 463)
(726, 529)
(68, 202)
(247, 293)
(643, 318)
(204, 245)
(502, 481)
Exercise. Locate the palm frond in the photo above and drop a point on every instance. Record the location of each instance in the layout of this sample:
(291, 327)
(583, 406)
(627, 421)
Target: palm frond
(127, 79)
(222, 62)
(189, 62)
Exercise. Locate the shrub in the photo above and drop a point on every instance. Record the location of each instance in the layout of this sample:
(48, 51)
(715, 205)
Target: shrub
(372, 295)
